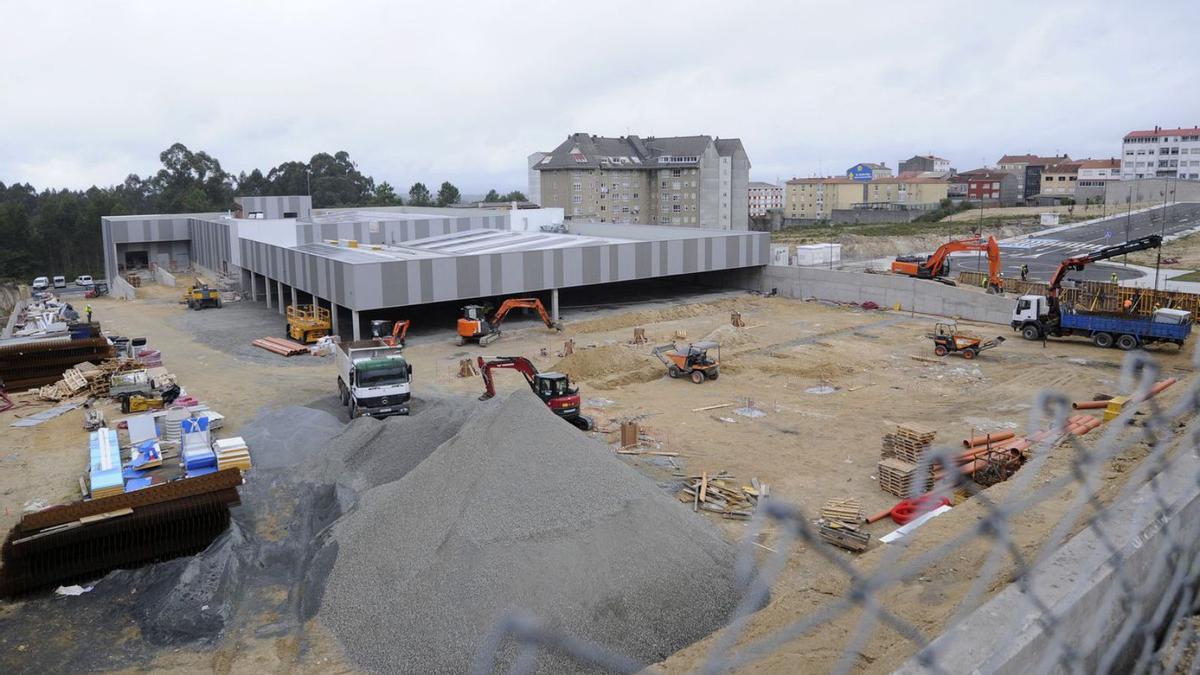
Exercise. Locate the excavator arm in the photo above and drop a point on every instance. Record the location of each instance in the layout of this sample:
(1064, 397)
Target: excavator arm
(524, 303)
(1078, 263)
(517, 363)
(935, 265)
(399, 332)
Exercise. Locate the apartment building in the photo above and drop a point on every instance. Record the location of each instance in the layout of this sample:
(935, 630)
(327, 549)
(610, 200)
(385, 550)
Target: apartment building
(923, 163)
(988, 186)
(818, 198)
(1058, 180)
(1094, 177)
(764, 196)
(1028, 171)
(1159, 153)
(691, 181)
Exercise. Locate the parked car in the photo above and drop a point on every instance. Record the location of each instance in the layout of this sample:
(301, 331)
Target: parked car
(60, 282)
(84, 280)
(41, 283)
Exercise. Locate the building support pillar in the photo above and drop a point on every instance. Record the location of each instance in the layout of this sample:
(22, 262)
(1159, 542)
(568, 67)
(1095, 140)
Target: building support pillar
(253, 287)
(554, 304)
(333, 312)
(279, 296)
(357, 325)
(294, 303)
(267, 290)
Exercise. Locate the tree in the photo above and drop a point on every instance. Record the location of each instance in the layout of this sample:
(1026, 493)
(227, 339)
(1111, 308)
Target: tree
(514, 196)
(492, 196)
(385, 195)
(448, 194)
(418, 195)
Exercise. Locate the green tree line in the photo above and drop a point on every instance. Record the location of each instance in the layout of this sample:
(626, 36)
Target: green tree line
(58, 231)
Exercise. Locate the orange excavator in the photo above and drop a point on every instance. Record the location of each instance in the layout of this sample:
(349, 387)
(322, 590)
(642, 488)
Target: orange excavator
(553, 388)
(475, 326)
(937, 265)
(398, 331)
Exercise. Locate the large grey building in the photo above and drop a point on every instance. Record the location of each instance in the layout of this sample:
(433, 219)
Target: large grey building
(364, 262)
(690, 181)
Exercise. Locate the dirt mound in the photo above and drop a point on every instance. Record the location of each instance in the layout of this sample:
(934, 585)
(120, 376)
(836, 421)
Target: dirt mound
(519, 511)
(610, 366)
(729, 336)
(648, 316)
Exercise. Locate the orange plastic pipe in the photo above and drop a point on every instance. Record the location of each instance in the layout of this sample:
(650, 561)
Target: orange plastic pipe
(879, 516)
(1089, 405)
(988, 438)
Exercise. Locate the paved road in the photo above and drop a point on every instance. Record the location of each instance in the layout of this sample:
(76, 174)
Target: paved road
(1043, 254)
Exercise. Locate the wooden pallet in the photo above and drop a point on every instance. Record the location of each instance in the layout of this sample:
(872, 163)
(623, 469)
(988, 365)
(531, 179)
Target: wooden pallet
(896, 477)
(845, 510)
(74, 380)
(888, 447)
(845, 537)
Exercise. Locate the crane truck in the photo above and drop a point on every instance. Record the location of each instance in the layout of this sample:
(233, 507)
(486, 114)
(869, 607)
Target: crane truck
(373, 378)
(937, 265)
(1038, 316)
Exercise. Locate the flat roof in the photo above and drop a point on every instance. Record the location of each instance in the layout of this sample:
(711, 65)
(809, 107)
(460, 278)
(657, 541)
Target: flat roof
(466, 242)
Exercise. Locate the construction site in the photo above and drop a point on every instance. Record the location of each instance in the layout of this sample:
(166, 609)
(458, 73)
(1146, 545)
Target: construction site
(303, 450)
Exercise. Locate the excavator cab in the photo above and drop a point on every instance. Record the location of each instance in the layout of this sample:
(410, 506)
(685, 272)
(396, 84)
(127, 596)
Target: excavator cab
(550, 386)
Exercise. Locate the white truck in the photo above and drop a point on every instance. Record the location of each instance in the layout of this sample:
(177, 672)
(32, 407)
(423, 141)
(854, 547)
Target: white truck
(373, 378)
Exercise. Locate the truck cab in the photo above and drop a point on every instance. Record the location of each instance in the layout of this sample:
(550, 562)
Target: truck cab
(1031, 315)
(373, 378)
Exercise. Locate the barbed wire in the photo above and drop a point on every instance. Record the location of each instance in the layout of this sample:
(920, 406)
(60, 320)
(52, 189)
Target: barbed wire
(1135, 625)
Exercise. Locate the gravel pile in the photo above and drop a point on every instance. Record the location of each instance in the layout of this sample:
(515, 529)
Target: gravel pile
(520, 511)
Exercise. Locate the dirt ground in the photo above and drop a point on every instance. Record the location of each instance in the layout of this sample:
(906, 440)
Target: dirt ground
(808, 446)
(1186, 249)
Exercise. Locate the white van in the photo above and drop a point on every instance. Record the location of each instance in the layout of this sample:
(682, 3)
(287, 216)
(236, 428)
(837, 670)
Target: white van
(84, 280)
(60, 282)
(41, 283)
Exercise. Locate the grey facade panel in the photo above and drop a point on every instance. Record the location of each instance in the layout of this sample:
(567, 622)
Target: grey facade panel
(690, 255)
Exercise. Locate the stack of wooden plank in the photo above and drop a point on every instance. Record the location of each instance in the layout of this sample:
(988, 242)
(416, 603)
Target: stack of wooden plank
(844, 536)
(280, 346)
(718, 493)
(100, 377)
(896, 477)
(912, 441)
(232, 453)
(845, 510)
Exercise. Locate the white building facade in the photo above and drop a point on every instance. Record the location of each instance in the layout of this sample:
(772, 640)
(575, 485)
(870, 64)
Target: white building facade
(764, 196)
(1161, 153)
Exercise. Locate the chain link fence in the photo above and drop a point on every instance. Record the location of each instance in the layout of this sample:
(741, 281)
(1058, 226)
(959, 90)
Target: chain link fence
(1111, 587)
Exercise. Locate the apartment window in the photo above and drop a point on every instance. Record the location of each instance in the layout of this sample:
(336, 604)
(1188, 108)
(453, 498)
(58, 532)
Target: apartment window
(635, 195)
(577, 187)
(675, 173)
(674, 198)
(675, 208)
(601, 207)
(676, 185)
(624, 209)
(577, 199)
(576, 211)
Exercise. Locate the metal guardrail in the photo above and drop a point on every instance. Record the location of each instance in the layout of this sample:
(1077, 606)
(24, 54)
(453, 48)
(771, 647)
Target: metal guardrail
(1135, 612)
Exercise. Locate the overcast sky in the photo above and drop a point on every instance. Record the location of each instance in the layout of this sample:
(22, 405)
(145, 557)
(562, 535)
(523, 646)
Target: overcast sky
(464, 91)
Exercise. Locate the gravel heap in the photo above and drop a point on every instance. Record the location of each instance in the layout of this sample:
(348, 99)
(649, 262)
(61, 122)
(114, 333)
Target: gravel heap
(521, 511)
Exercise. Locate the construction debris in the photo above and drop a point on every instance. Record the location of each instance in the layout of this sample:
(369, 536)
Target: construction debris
(639, 336)
(720, 494)
(735, 319)
(466, 368)
(567, 350)
(844, 536)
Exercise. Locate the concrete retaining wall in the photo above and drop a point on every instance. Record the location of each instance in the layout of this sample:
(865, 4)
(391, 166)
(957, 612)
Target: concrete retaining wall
(163, 277)
(1076, 581)
(119, 288)
(12, 318)
(886, 290)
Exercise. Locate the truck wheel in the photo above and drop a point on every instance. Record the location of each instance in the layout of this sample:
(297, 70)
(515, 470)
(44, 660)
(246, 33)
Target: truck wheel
(969, 353)
(1127, 342)
(714, 374)
(1031, 333)
(939, 350)
(1102, 340)
(698, 376)
(673, 371)
(353, 409)
(343, 393)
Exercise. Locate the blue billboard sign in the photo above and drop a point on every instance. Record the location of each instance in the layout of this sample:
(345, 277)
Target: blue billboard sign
(861, 172)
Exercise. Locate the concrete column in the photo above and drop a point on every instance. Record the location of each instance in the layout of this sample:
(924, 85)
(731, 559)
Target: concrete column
(253, 287)
(333, 312)
(279, 296)
(267, 290)
(294, 303)
(357, 328)
(554, 304)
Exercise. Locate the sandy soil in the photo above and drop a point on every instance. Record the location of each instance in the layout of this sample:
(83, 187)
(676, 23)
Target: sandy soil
(1187, 249)
(807, 446)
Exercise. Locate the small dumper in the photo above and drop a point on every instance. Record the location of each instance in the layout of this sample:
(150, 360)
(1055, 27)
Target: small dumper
(692, 362)
(947, 340)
